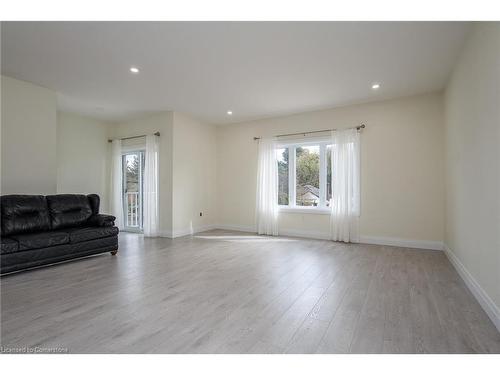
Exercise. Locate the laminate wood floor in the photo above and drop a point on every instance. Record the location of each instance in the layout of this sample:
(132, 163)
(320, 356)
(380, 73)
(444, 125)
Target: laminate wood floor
(231, 292)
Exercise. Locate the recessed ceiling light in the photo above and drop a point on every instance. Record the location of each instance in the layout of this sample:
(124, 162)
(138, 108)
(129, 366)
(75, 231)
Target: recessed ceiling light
(376, 86)
(134, 70)
(229, 113)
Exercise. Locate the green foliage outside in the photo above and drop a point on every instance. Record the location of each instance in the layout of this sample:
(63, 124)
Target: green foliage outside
(283, 179)
(307, 169)
(133, 171)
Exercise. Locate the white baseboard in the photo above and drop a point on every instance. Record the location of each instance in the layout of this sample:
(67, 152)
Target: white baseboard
(319, 235)
(187, 231)
(491, 309)
(165, 233)
(402, 242)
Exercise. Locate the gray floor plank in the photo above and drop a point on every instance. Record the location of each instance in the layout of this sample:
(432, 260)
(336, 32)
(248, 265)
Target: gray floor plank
(230, 292)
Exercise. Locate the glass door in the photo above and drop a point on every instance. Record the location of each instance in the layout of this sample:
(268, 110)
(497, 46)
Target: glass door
(133, 171)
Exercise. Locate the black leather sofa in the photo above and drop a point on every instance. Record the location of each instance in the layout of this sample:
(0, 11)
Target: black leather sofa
(37, 230)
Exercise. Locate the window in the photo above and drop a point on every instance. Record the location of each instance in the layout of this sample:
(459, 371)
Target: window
(305, 176)
(282, 156)
(328, 191)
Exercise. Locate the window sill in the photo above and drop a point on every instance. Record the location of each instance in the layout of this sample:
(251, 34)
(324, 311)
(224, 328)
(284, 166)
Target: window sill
(305, 210)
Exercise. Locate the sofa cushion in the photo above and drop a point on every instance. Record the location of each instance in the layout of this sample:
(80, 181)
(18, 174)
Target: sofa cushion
(24, 213)
(94, 201)
(37, 257)
(9, 245)
(41, 239)
(68, 210)
(91, 233)
(101, 220)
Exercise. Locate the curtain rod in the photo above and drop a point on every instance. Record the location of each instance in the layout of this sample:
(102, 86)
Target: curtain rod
(135, 136)
(362, 126)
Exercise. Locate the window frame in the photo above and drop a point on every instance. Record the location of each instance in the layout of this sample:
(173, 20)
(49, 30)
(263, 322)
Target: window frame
(292, 145)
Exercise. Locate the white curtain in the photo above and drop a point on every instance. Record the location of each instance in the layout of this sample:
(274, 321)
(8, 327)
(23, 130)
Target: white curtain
(267, 188)
(345, 203)
(150, 203)
(116, 200)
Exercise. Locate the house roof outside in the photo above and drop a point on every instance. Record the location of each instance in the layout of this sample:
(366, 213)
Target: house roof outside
(303, 190)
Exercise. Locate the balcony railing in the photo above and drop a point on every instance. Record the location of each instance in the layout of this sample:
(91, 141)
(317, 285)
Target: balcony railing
(132, 210)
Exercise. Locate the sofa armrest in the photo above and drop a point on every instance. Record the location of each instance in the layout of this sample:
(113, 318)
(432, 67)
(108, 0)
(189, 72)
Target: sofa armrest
(101, 220)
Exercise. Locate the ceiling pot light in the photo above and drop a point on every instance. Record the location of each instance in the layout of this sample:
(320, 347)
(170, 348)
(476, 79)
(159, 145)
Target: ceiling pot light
(376, 86)
(134, 70)
(229, 113)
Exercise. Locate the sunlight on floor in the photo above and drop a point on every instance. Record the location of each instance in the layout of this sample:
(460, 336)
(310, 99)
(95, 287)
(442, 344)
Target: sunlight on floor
(245, 238)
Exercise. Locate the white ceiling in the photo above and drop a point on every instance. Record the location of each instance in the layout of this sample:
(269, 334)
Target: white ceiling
(255, 69)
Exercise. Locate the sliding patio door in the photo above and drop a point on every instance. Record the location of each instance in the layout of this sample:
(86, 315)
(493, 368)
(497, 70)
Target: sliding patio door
(133, 183)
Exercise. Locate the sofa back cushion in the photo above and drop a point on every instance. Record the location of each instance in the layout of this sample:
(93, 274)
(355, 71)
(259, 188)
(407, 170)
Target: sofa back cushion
(94, 201)
(68, 210)
(23, 214)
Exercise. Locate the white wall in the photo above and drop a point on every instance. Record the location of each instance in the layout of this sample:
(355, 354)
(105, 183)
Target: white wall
(473, 162)
(194, 175)
(187, 169)
(82, 151)
(29, 164)
(162, 122)
(402, 183)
